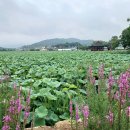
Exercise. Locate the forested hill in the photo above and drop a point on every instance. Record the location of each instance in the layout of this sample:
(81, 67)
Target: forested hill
(55, 41)
(6, 49)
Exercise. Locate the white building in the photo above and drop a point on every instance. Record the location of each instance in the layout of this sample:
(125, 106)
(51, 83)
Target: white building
(68, 49)
(43, 49)
(120, 47)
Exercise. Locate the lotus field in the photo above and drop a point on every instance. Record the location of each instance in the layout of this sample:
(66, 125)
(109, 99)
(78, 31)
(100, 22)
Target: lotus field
(89, 89)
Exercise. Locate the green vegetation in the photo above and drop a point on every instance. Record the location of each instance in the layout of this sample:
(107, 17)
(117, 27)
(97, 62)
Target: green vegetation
(6, 49)
(114, 42)
(55, 77)
(125, 37)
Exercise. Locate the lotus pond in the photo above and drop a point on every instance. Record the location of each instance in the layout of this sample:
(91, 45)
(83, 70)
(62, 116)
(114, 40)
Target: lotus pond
(55, 78)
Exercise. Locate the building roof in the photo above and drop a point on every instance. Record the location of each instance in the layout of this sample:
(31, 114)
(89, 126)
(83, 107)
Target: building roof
(97, 43)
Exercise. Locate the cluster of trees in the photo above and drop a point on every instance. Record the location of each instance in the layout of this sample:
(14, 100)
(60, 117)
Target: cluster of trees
(71, 45)
(114, 42)
(33, 49)
(100, 42)
(67, 45)
(6, 49)
(123, 39)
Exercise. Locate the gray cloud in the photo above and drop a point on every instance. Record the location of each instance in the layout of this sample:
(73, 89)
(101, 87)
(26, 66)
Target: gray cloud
(28, 21)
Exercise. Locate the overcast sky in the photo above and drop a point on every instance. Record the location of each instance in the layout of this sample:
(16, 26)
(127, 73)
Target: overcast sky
(29, 21)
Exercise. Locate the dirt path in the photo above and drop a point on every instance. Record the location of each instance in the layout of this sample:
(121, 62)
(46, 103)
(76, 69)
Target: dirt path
(61, 125)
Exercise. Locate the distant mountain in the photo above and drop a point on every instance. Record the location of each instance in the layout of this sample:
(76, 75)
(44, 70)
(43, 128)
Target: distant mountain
(55, 41)
(6, 49)
(1, 48)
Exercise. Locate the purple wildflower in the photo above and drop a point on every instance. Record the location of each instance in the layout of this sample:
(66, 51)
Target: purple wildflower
(110, 80)
(91, 78)
(26, 114)
(110, 117)
(116, 95)
(17, 127)
(18, 105)
(124, 86)
(6, 119)
(85, 111)
(128, 111)
(110, 84)
(71, 108)
(77, 113)
(27, 108)
(101, 72)
(12, 109)
(6, 127)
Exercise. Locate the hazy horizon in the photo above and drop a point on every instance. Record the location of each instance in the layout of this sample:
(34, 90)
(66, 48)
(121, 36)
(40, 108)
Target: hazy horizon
(24, 22)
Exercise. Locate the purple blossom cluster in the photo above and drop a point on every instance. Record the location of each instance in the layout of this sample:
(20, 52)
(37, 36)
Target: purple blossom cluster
(77, 113)
(6, 120)
(71, 109)
(85, 111)
(111, 82)
(120, 97)
(128, 111)
(15, 109)
(91, 77)
(27, 108)
(101, 71)
(124, 87)
(110, 117)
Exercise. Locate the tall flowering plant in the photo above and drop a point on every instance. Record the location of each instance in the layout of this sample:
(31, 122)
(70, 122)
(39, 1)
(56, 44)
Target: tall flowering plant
(85, 111)
(101, 78)
(101, 71)
(91, 77)
(71, 111)
(11, 120)
(111, 82)
(123, 96)
(109, 108)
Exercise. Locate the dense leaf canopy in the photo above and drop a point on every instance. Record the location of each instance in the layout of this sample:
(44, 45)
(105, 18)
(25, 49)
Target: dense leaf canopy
(125, 37)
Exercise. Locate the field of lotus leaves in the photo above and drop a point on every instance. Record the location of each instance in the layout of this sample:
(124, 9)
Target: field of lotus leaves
(57, 86)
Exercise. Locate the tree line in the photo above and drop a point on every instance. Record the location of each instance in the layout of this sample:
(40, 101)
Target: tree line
(123, 39)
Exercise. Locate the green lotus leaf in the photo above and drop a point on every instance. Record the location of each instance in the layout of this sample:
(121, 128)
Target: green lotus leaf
(41, 112)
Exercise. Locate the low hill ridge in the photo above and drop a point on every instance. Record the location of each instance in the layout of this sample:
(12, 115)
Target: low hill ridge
(55, 41)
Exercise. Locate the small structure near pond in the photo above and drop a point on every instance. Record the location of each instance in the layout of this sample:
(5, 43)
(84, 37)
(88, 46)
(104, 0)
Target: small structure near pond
(97, 46)
(120, 47)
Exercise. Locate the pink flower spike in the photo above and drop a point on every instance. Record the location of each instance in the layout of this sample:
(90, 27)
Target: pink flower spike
(128, 111)
(6, 127)
(85, 111)
(71, 108)
(116, 95)
(110, 117)
(77, 113)
(101, 71)
(111, 80)
(26, 114)
(6, 119)
(18, 127)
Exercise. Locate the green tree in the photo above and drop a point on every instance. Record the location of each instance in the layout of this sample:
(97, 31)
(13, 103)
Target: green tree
(128, 20)
(125, 37)
(114, 42)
